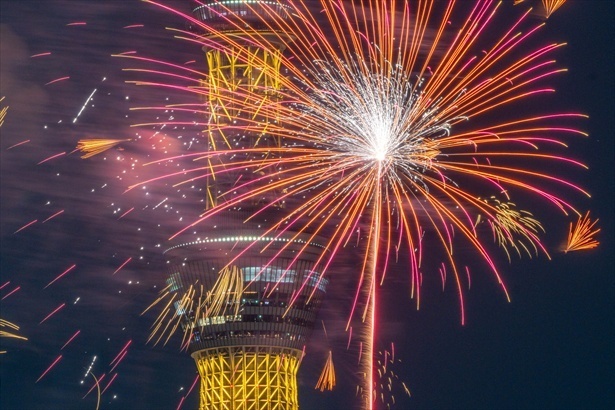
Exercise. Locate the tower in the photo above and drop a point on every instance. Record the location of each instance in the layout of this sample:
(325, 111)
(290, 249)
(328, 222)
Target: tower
(248, 301)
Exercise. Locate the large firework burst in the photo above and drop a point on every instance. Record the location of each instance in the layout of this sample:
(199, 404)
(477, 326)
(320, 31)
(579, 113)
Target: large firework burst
(393, 120)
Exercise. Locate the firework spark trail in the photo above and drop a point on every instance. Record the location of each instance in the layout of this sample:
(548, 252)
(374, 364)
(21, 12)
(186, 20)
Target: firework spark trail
(387, 129)
(109, 383)
(581, 235)
(94, 146)
(126, 213)
(551, 6)
(46, 53)
(11, 292)
(118, 361)
(122, 265)
(120, 352)
(100, 379)
(54, 215)
(61, 275)
(85, 104)
(49, 368)
(18, 144)
(57, 80)
(51, 157)
(70, 339)
(26, 225)
(52, 313)
(10, 333)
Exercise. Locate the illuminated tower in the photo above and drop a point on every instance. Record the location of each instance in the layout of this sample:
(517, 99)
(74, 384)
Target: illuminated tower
(249, 303)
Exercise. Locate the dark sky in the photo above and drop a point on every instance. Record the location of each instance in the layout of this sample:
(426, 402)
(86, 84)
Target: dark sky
(550, 348)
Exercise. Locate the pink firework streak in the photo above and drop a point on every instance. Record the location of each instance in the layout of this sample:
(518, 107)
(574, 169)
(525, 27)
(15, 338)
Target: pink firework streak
(57, 80)
(54, 215)
(49, 368)
(51, 157)
(122, 265)
(121, 351)
(11, 292)
(60, 275)
(18, 144)
(26, 225)
(71, 339)
(52, 313)
(109, 384)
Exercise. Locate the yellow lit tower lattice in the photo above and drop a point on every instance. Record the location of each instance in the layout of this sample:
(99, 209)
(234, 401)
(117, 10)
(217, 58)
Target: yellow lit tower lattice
(247, 303)
(241, 73)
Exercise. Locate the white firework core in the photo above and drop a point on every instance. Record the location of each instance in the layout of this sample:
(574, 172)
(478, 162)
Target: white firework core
(372, 118)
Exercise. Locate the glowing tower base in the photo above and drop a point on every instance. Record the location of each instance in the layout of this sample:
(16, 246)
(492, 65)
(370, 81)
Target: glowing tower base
(248, 378)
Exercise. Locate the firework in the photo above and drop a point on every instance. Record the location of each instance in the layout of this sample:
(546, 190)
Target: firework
(387, 129)
(95, 146)
(515, 229)
(9, 333)
(3, 111)
(581, 235)
(326, 381)
(551, 6)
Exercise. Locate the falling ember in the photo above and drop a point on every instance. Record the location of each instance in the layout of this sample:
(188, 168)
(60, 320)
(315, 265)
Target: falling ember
(9, 333)
(52, 313)
(57, 80)
(95, 146)
(51, 157)
(120, 353)
(11, 292)
(109, 384)
(49, 368)
(581, 235)
(126, 213)
(41, 54)
(3, 111)
(98, 391)
(326, 381)
(70, 339)
(60, 275)
(118, 361)
(54, 215)
(96, 383)
(14, 145)
(26, 225)
(84, 105)
(122, 265)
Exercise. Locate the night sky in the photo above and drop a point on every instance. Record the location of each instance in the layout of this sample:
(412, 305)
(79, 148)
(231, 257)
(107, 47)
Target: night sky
(550, 348)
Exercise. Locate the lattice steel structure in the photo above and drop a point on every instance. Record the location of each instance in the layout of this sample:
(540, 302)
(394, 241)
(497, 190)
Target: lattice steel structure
(246, 303)
(241, 72)
(248, 355)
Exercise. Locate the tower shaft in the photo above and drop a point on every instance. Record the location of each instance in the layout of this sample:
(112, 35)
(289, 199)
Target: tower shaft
(249, 326)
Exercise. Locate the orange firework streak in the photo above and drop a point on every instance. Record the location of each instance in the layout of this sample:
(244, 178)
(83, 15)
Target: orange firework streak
(551, 6)
(581, 236)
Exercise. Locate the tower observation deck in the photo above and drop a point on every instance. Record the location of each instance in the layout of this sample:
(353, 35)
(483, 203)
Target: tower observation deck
(249, 301)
